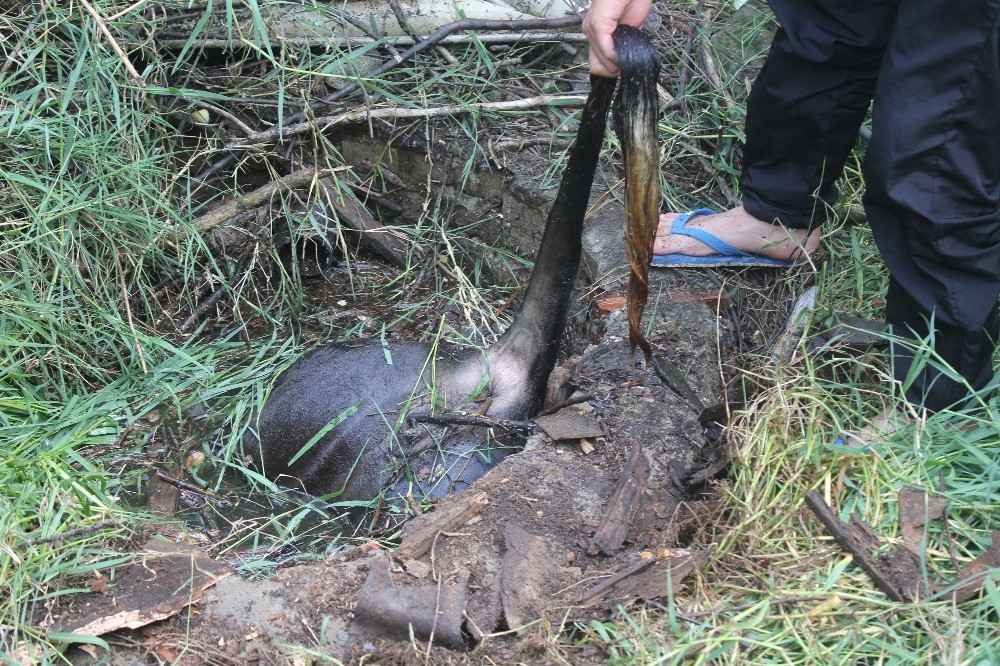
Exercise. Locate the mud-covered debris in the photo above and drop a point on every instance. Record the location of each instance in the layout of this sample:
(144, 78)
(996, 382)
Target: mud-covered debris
(417, 568)
(917, 508)
(525, 568)
(420, 533)
(163, 580)
(647, 579)
(386, 611)
(613, 528)
(569, 423)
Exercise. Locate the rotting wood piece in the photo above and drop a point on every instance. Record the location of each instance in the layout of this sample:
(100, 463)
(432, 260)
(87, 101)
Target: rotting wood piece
(431, 612)
(900, 573)
(389, 245)
(613, 528)
(420, 533)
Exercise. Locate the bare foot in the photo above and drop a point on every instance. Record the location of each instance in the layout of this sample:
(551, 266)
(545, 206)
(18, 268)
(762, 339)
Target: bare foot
(741, 230)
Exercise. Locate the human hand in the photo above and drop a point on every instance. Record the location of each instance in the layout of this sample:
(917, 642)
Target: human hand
(601, 20)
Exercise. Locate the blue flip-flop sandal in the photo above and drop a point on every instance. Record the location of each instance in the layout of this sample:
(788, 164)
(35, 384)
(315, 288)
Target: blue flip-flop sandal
(725, 254)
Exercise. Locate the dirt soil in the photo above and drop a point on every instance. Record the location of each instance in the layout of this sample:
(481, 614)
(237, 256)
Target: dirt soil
(598, 510)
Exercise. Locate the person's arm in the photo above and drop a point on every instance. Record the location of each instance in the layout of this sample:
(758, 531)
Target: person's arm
(601, 20)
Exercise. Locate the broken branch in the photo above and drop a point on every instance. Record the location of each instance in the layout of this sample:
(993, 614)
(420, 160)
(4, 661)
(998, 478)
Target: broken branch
(446, 30)
(103, 27)
(474, 420)
(849, 541)
(256, 198)
(183, 485)
(364, 115)
(436, 37)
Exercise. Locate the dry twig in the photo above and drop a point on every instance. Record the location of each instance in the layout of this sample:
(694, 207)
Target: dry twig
(364, 115)
(103, 26)
(258, 197)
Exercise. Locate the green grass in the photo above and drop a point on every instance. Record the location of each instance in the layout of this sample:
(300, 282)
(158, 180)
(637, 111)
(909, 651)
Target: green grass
(778, 590)
(100, 264)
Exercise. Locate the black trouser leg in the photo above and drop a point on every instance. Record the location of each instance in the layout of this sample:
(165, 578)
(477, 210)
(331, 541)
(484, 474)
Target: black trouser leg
(807, 104)
(933, 190)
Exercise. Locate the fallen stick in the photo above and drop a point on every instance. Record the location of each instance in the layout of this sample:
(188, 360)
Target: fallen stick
(183, 485)
(203, 308)
(390, 246)
(102, 25)
(860, 549)
(258, 197)
(75, 531)
(364, 115)
(446, 30)
(401, 19)
(169, 41)
(432, 40)
(739, 608)
(568, 402)
(528, 427)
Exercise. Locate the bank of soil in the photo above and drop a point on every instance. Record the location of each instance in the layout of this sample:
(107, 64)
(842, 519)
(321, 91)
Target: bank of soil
(603, 507)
